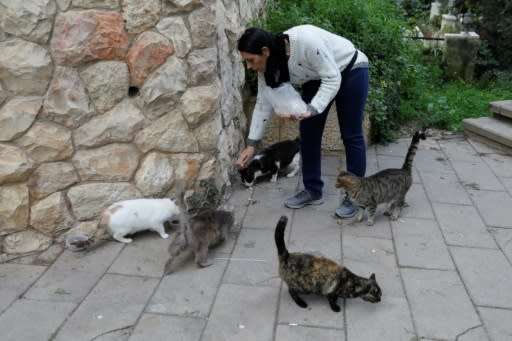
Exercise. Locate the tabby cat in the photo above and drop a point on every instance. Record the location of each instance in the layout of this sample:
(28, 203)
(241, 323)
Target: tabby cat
(310, 274)
(387, 186)
(197, 234)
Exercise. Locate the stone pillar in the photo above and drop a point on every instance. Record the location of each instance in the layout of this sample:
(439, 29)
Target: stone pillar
(460, 54)
(449, 23)
(435, 9)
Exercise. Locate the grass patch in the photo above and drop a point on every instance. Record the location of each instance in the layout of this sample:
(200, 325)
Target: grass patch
(445, 107)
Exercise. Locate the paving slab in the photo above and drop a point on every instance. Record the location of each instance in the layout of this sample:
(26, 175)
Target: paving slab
(390, 320)
(504, 239)
(188, 292)
(487, 275)
(312, 232)
(96, 260)
(494, 207)
(497, 323)
(242, 312)
(317, 314)
(507, 182)
(74, 274)
(114, 304)
(419, 243)
(459, 149)
(432, 160)
(33, 320)
(381, 228)
(145, 256)
(462, 225)
(15, 280)
(331, 164)
(365, 255)
(441, 307)
(396, 149)
(63, 286)
(444, 188)
(501, 165)
(162, 327)
(477, 175)
(286, 332)
(474, 334)
(418, 205)
(254, 259)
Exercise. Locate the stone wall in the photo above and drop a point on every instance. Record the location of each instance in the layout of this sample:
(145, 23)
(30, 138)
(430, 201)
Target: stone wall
(103, 100)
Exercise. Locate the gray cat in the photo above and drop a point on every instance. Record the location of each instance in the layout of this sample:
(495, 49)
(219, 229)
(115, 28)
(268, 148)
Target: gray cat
(197, 235)
(387, 186)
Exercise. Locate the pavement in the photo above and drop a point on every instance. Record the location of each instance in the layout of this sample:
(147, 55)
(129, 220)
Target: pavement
(444, 267)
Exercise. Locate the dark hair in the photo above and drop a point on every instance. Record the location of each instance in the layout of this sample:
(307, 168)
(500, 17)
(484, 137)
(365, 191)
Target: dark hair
(254, 39)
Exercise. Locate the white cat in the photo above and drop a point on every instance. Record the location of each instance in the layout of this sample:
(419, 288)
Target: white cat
(130, 216)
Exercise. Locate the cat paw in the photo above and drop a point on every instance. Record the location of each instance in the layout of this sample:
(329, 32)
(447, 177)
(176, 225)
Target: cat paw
(336, 308)
(370, 222)
(204, 264)
(164, 235)
(126, 240)
(302, 304)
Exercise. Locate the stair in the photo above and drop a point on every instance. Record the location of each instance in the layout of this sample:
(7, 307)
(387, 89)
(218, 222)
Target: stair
(495, 131)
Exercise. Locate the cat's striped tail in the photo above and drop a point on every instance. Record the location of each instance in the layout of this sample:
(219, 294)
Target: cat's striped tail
(407, 166)
(279, 237)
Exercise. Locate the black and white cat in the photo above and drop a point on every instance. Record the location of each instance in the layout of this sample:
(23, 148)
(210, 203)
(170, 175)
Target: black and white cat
(284, 155)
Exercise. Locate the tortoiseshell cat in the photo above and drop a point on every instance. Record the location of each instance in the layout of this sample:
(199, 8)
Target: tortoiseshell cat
(387, 186)
(198, 234)
(309, 274)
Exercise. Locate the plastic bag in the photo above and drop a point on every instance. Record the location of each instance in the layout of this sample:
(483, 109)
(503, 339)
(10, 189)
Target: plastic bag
(285, 100)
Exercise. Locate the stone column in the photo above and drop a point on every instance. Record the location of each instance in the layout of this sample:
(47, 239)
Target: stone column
(460, 54)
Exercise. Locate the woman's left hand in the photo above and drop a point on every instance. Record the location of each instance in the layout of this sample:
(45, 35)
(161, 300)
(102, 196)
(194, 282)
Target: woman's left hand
(300, 117)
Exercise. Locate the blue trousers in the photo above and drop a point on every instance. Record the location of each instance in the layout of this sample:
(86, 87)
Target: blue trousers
(350, 101)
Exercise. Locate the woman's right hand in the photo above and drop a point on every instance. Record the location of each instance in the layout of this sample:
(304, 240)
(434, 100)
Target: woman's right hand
(245, 156)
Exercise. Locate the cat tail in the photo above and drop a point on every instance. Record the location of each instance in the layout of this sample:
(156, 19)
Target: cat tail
(178, 245)
(279, 237)
(100, 235)
(407, 166)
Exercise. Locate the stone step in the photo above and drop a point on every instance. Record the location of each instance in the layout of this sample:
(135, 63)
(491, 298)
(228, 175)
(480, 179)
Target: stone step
(495, 131)
(503, 108)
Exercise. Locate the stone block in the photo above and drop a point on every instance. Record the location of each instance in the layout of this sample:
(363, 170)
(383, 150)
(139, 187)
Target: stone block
(439, 303)
(486, 274)
(419, 243)
(231, 320)
(254, 260)
(114, 304)
(188, 292)
(161, 327)
(462, 225)
(391, 320)
(34, 320)
(16, 279)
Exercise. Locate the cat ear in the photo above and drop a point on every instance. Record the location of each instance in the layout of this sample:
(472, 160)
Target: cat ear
(372, 276)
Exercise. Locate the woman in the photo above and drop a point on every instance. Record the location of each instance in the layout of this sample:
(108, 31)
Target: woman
(329, 68)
